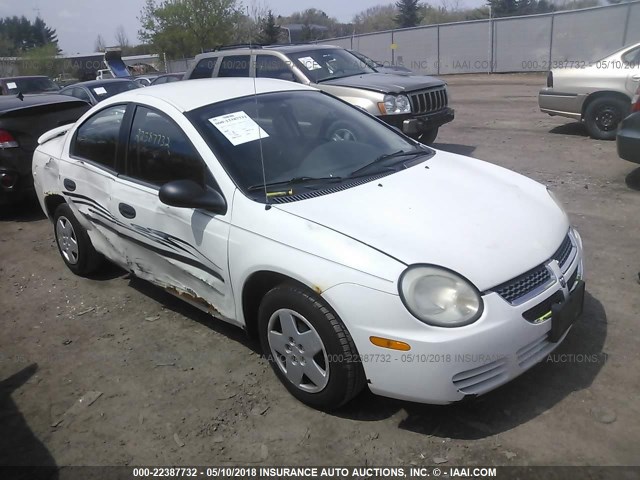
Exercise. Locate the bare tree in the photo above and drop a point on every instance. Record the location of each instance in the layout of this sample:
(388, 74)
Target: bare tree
(122, 40)
(99, 45)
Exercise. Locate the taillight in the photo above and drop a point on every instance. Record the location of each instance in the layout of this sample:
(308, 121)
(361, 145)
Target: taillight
(550, 79)
(635, 103)
(7, 140)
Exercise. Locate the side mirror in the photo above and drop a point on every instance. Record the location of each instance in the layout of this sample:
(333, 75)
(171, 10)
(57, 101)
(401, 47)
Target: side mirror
(188, 194)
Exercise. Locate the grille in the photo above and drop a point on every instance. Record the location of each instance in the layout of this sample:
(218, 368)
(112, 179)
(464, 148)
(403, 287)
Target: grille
(524, 284)
(562, 254)
(428, 100)
(481, 379)
(515, 289)
(532, 315)
(572, 280)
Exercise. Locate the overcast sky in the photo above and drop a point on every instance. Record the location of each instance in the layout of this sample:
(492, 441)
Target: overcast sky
(78, 22)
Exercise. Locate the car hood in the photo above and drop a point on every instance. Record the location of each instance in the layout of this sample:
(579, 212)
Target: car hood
(381, 82)
(480, 220)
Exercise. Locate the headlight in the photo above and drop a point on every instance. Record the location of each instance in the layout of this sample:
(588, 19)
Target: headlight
(439, 297)
(394, 104)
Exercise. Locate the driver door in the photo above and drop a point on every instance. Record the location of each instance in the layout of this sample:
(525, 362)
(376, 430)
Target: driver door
(181, 249)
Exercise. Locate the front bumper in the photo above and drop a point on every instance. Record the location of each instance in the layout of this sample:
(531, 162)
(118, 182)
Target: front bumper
(411, 124)
(446, 364)
(628, 138)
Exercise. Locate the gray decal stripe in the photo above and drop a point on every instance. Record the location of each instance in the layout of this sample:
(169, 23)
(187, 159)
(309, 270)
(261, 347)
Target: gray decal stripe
(88, 199)
(159, 251)
(126, 227)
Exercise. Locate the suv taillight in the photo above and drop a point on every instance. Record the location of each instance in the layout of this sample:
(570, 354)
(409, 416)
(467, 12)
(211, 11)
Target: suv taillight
(635, 103)
(7, 140)
(550, 79)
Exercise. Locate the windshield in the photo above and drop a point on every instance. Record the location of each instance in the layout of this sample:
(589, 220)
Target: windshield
(110, 89)
(307, 139)
(31, 85)
(364, 59)
(320, 65)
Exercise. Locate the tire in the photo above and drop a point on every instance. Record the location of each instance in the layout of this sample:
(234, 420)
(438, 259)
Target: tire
(603, 115)
(290, 312)
(428, 137)
(341, 131)
(73, 242)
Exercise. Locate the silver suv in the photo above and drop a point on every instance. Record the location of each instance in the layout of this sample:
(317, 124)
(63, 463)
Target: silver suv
(416, 105)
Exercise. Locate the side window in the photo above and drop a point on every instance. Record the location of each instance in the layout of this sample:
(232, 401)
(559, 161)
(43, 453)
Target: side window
(160, 80)
(632, 57)
(97, 138)
(235, 66)
(204, 68)
(270, 66)
(160, 152)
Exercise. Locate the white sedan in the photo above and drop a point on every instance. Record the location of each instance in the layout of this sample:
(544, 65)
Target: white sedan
(357, 255)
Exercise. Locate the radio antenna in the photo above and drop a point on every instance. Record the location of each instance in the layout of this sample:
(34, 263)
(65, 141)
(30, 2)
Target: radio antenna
(254, 69)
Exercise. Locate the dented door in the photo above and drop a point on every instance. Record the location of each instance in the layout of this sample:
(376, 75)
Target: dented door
(181, 249)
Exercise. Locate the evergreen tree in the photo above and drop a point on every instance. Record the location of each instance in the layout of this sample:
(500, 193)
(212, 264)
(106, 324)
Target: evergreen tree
(18, 35)
(269, 30)
(408, 13)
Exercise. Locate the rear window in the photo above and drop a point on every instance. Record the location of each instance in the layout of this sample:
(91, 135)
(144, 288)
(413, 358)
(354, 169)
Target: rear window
(107, 90)
(30, 85)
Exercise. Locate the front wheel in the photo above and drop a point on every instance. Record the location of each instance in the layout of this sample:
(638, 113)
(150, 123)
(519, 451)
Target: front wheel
(73, 242)
(602, 116)
(309, 348)
(428, 137)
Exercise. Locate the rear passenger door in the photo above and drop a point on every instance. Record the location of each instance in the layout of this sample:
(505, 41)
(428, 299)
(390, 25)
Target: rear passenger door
(87, 176)
(181, 249)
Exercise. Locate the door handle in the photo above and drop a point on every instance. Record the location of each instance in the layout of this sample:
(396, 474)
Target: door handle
(636, 78)
(127, 211)
(69, 184)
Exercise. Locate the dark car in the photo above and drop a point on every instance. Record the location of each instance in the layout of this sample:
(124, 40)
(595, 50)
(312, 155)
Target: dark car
(628, 136)
(22, 121)
(94, 91)
(27, 85)
(168, 78)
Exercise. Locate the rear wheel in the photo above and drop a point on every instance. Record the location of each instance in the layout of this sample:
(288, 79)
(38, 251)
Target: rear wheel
(603, 115)
(73, 242)
(309, 348)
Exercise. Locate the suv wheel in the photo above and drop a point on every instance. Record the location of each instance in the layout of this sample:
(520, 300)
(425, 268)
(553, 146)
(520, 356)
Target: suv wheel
(428, 137)
(341, 131)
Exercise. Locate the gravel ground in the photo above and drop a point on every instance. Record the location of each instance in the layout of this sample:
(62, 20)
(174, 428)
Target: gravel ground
(161, 383)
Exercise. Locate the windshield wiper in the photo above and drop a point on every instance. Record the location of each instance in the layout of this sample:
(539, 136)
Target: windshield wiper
(339, 77)
(389, 156)
(292, 181)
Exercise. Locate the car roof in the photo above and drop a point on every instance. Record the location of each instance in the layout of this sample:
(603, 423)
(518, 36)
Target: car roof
(289, 48)
(191, 94)
(21, 77)
(98, 83)
(9, 103)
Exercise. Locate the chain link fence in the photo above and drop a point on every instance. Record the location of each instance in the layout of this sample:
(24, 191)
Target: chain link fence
(531, 43)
